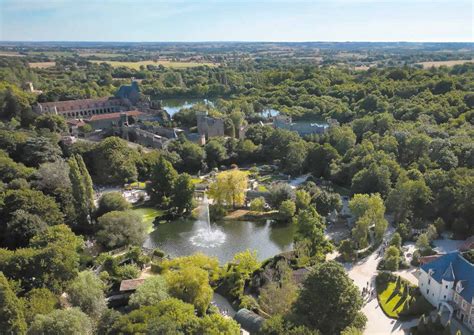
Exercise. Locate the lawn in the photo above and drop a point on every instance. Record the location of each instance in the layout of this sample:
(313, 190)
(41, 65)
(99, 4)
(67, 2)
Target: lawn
(165, 63)
(148, 215)
(140, 185)
(392, 302)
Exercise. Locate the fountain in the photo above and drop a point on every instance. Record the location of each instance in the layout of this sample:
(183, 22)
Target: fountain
(207, 236)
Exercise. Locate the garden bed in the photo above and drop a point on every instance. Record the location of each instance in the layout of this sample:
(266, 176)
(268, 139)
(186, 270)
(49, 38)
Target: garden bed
(401, 300)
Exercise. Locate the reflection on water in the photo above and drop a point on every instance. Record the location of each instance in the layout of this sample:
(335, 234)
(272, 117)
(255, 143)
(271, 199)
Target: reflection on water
(267, 238)
(172, 106)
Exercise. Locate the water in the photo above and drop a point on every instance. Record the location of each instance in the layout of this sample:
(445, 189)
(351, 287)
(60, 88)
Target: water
(185, 237)
(172, 106)
(208, 236)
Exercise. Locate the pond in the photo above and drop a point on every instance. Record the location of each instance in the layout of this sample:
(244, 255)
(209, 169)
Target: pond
(172, 106)
(183, 237)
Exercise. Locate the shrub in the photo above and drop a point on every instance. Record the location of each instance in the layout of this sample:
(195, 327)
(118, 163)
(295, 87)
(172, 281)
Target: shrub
(258, 204)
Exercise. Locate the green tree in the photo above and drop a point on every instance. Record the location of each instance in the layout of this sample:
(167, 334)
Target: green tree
(114, 162)
(293, 162)
(329, 300)
(347, 250)
(25, 213)
(117, 229)
(62, 322)
(113, 201)
(39, 150)
(215, 153)
(39, 301)
(150, 293)
(310, 229)
(216, 324)
(191, 284)
(12, 319)
(172, 316)
(183, 193)
(277, 298)
(87, 292)
(302, 199)
(162, 182)
(286, 210)
(52, 122)
(81, 185)
(396, 240)
(229, 188)
(392, 258)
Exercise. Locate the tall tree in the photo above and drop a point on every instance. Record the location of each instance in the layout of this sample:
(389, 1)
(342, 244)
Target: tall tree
(229, 188)
(183, 193)
(329, 300)
(162, 182)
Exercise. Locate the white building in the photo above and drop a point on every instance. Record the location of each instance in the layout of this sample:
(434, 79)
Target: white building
(448, 283)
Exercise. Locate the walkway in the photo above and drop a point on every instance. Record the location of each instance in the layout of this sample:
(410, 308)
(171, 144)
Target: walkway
(365, 271)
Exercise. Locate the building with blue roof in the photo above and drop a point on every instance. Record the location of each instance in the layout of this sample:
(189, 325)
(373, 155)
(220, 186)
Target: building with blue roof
(448, 283)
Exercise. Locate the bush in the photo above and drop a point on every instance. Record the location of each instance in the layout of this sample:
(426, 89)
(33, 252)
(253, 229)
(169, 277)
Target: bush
(257, 204)
(158, 253)
(249, 302)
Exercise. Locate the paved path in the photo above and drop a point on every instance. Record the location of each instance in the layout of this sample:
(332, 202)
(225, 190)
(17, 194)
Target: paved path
(365, 271)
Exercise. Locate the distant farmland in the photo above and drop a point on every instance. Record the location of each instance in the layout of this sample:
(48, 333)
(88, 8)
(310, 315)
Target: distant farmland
(41, 65)
(427, 65)
(165, 63)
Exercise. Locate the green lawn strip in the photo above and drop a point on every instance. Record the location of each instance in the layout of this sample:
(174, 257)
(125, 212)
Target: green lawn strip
(390, 301)
(148, 215)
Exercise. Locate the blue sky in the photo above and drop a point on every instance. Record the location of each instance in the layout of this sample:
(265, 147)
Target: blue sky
(244, 20)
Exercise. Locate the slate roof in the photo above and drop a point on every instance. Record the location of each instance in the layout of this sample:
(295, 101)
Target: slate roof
(453, 267)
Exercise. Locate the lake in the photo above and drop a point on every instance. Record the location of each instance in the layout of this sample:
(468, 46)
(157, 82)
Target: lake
(181, 237)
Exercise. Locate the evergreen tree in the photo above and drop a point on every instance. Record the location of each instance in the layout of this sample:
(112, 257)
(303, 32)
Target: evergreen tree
(79, 193)
(87, 180)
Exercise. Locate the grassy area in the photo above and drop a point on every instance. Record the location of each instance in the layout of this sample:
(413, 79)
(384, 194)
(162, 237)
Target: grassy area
(165, 63)
(392, 302)
(137, 185)
(197, 180)
(148, 215)
(262, 188)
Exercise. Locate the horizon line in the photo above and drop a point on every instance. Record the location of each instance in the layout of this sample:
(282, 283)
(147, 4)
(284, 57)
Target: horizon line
(231, 41)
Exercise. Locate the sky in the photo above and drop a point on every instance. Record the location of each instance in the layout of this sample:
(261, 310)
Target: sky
(244, 20)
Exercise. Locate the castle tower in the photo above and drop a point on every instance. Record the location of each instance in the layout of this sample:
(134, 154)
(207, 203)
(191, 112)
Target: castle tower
(447, 284)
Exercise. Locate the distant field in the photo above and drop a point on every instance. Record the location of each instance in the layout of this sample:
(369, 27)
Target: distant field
(51, 53)
(427, 65)
(10, 54)
(100, 54)
(165, 63)
(42, 65)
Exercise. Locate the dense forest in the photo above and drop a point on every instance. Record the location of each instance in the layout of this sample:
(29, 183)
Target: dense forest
(405, 137)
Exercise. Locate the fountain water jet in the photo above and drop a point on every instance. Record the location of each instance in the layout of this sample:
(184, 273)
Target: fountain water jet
(207, 237)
